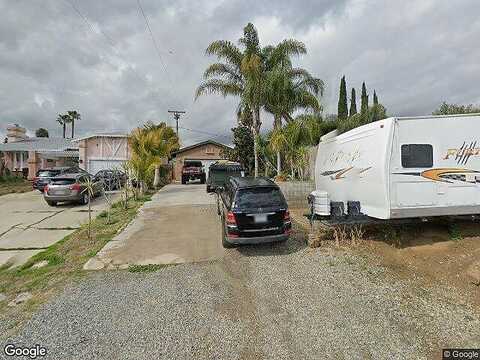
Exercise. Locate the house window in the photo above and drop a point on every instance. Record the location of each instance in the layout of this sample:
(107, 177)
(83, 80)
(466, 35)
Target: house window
(417, 155)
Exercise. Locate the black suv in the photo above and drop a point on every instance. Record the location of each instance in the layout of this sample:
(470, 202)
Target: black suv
(253, 211)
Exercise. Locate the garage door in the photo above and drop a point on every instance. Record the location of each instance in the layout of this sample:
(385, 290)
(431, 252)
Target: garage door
(95, 166)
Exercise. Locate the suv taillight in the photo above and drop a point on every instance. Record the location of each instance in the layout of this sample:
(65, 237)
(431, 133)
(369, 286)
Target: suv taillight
(231, 218)
(45, 189)
(286, 216)
(75, 187)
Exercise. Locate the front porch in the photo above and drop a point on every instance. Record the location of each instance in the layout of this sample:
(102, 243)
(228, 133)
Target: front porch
(26, 163)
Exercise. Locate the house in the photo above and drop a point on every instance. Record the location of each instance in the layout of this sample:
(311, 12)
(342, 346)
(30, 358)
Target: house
(207, 151)
(24, 155)
(103, 151)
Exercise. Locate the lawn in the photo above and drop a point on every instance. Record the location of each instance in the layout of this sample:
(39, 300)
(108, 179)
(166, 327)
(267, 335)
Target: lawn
(65, 261)
(13, 184)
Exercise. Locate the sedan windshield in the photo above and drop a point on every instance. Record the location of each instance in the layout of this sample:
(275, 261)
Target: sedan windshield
(259, 197)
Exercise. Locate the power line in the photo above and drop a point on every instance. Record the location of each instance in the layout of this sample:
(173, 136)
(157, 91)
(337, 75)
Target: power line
(154, 42)
(204, 132)
(110, 41)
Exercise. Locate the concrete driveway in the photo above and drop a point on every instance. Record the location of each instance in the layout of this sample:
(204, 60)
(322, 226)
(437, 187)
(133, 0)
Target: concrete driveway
(28, 225)
(179, 225)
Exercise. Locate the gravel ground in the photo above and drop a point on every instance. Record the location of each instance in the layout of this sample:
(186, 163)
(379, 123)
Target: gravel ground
(280, 301)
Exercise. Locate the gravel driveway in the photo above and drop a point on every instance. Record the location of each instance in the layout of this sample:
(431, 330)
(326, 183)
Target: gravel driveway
(280, 301)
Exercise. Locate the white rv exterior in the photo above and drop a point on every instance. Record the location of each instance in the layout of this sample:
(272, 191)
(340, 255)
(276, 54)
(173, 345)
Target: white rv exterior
(404, 167)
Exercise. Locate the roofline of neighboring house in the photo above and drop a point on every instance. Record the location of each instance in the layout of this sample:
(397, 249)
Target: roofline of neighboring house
(186, 148)
(100, 135)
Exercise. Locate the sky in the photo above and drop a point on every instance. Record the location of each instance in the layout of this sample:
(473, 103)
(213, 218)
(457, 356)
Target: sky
(99, 58)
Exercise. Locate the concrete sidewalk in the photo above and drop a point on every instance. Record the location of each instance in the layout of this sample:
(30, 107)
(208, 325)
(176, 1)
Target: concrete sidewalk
(179, 225)
(28, 225)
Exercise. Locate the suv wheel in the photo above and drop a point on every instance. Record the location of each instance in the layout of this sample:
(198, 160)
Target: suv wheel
(51, 203)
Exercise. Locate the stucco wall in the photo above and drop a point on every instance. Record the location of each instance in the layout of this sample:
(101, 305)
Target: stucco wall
(204, 152)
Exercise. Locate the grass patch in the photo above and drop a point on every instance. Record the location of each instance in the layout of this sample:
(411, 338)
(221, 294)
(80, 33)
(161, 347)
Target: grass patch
(65, 259)
(454, 232)
(145, 268)
(13, 184)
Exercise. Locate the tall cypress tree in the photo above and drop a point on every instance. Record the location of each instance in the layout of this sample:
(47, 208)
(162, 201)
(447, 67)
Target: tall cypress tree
(375, 98)
(353, 103)
(364, 107)
(342, 100)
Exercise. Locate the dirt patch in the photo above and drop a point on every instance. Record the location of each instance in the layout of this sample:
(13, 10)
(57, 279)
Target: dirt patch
(431, 256)
(438, 253)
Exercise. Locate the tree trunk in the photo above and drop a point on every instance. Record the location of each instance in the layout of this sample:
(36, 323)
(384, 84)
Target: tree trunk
(256, 115)
(89, 218)
(64, 130)
(73, 129)
(277, 125)
(156, 179)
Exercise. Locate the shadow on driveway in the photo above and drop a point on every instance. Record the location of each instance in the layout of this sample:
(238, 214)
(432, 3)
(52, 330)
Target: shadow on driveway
(295, 243)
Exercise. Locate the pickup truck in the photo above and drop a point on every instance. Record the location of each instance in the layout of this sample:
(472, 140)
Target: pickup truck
(193, 170)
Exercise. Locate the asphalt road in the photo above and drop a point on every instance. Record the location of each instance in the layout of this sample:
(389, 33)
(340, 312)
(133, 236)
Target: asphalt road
(282, 301)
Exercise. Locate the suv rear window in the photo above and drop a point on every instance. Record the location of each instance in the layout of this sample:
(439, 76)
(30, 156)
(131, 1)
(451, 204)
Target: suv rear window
(63, 181)
(259, 197)
(48, 173)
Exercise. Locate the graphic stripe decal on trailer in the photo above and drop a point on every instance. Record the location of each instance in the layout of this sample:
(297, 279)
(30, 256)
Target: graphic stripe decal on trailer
(443, 174)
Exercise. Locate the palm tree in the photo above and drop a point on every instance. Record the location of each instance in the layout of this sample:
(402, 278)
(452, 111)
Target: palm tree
(240, 75)
(293, 140)
(253, 74)
(73, 116)
(63, 119)
(151, 146)
(289, 89)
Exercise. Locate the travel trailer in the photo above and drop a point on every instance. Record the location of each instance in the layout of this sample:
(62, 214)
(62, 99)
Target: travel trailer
(400, 167)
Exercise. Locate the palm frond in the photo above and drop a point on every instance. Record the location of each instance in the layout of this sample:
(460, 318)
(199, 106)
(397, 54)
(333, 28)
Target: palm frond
(218, 86)
(226, 71)
(225, 50)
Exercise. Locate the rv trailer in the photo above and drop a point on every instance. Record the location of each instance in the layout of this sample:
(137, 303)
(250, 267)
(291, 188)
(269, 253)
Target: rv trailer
(400, 167)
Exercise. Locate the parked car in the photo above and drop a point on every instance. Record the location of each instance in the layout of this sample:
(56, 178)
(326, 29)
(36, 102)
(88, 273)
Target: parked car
(111, 179)
(252, 211)
(219, 172)
(43, 176)
(193, 170)
(70, 188)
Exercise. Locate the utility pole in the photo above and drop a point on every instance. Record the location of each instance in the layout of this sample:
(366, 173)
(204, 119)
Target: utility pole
(176, 116)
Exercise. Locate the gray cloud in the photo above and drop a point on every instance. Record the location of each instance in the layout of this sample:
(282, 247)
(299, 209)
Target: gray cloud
(415, 54)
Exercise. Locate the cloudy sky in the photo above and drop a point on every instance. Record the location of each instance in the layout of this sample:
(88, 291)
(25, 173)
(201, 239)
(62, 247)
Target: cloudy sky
(103, 62)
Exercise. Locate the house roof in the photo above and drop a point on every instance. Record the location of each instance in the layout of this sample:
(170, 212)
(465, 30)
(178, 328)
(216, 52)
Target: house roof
(206, 142)
(40, 144)
(117, 134)
(59, 153)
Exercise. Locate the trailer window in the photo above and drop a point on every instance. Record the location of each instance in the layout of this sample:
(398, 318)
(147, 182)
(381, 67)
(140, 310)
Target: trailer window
(417, 155)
